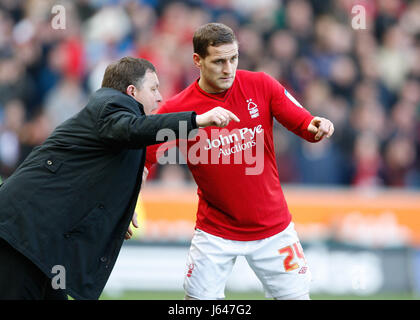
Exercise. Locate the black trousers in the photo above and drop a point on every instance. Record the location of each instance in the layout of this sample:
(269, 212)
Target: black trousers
(20, 279)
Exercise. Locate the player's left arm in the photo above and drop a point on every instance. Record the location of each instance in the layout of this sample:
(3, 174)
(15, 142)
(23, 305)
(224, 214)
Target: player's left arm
(290, 113)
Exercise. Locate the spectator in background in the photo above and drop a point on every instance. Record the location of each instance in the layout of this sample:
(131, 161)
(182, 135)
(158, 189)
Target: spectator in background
(63, 102)
(283, 49)
(14, 84)
(13, 120)
(367, 161)
(319, 165)
(399, 158)
(394, 58)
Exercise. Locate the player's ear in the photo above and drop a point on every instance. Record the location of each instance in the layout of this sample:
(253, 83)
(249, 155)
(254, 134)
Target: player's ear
(197, 60)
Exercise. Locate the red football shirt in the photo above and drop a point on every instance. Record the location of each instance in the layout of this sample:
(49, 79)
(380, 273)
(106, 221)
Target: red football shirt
(240, 197)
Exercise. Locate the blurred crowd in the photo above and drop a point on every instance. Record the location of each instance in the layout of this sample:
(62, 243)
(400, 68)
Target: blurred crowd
(367, 81)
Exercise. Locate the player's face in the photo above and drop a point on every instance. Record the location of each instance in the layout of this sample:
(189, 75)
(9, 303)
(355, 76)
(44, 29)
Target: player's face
(148, 95)
(218, 68)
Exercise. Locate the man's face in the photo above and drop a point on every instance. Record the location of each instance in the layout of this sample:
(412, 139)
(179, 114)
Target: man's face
(218, 68)
(149, 95)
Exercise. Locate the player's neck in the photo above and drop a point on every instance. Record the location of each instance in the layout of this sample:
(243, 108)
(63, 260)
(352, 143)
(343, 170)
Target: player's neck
(209, 89)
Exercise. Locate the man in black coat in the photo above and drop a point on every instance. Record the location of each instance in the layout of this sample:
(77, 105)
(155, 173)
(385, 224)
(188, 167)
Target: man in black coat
(68, 206)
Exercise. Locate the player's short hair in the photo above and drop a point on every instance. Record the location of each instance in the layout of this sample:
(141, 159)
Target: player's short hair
(211, 34)
(126, 71)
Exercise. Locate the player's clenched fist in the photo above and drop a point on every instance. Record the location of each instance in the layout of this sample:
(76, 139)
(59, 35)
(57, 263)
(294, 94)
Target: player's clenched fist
(218, 117)
(321, 127)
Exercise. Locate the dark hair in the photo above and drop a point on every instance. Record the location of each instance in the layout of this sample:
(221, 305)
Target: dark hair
(126, 71)
(211, 34)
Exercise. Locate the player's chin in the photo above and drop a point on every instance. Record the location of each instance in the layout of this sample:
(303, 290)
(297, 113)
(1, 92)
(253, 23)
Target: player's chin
(226, 84)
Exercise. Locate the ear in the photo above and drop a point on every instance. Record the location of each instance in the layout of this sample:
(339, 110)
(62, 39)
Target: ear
(131, 89)
(197, 60)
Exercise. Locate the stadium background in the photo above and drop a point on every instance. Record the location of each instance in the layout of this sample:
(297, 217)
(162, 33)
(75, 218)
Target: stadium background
(355, 198)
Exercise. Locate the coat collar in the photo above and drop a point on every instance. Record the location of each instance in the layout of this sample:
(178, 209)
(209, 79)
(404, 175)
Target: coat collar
(140, 106)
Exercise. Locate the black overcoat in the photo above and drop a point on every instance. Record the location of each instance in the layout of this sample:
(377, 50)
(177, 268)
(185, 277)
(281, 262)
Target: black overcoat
(71, 201)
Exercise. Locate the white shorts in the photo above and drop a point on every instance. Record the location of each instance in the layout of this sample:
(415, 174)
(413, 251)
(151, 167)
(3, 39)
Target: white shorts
(278, 262)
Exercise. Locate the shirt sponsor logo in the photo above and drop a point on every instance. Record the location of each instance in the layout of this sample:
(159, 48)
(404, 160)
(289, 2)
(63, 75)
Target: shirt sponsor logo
(223, 140)
(214, 147)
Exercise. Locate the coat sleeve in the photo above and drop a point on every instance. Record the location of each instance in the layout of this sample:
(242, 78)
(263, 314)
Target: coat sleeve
(120, 126)
(154, 152)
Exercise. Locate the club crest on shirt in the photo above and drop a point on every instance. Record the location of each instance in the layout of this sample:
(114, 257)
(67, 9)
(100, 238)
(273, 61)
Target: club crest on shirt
(252, 108)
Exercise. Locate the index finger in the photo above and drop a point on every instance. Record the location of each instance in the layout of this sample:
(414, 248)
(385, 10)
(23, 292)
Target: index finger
(316, 120)
(233, 116)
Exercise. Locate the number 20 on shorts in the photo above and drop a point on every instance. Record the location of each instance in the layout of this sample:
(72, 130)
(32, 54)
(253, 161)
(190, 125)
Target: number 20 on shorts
(290, 252)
